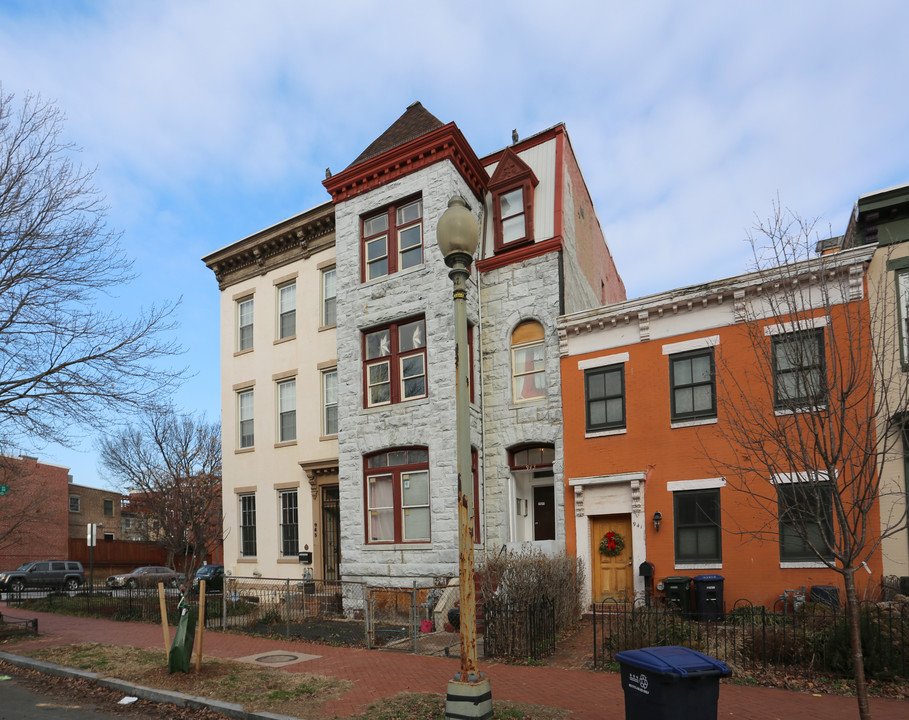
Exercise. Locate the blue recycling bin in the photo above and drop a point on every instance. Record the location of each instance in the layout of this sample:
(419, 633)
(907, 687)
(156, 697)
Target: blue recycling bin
(670, 683)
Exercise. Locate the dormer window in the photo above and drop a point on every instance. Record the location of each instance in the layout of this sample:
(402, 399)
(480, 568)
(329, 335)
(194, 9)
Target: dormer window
(511, 211)
(512, 187)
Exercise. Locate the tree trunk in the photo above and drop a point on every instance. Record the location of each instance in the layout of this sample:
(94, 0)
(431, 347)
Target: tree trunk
(855, 640)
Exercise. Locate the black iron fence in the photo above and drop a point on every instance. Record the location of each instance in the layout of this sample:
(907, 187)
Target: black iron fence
(525, 631)
(813, 640)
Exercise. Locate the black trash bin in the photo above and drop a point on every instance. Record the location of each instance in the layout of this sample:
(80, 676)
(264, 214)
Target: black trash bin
(670, 683)
(708, 597)
(825, 595)
(678, 593)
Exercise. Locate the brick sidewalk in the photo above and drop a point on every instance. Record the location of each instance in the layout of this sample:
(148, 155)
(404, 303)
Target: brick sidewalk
(374, 674)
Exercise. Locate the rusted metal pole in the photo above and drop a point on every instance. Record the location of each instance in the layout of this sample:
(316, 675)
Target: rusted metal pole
(469, 693)
(459, 274)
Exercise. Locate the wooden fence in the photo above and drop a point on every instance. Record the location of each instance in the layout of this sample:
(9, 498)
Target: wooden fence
(116, 556)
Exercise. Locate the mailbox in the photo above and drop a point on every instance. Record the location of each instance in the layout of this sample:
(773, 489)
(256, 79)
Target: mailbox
(645, 569)
(306, 558)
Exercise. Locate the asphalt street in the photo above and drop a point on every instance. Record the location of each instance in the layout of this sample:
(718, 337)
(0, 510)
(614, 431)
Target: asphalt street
(19, 702)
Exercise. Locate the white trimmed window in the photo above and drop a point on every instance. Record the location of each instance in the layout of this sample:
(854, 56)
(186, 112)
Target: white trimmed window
(246, 435)
(287, 310)
(330, 402)
(329, 297)
(248, 525)
(287, 410)
(902, 290)
(244, 324)
(290, 524)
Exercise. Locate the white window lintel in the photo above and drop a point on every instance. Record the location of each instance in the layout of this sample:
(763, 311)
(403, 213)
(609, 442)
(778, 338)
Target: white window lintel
(704, 484)
(602, 361)
(695, 344)
(788, 327)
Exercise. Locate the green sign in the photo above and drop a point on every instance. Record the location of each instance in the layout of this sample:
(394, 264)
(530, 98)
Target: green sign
(4, 489)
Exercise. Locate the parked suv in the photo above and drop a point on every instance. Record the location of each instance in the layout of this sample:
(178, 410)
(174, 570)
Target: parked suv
(213, 575)
(44, 574)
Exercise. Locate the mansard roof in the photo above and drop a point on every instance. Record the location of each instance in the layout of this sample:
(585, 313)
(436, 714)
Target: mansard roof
(415, 122)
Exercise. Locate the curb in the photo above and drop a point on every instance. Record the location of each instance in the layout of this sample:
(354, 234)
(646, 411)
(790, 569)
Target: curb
(230, 710)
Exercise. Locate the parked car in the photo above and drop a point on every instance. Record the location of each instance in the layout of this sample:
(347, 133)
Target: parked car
(66, 574)
(147, 576)
(213, 575)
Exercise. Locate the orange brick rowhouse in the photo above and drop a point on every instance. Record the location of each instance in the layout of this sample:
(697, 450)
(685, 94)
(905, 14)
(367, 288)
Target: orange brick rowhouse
(655, 390)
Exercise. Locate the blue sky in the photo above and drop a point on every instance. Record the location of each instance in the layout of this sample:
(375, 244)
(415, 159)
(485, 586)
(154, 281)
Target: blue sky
(210, 120)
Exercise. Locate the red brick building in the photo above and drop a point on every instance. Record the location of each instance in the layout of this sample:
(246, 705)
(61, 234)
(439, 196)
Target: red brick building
(34, 522)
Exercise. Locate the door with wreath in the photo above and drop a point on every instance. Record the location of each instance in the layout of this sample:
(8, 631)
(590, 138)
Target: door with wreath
(612, 573)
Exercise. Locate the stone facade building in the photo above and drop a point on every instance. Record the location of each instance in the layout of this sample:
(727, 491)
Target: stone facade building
(542, 253)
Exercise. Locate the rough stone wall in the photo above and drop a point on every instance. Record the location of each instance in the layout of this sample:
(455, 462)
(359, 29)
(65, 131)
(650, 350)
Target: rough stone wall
(510, 295)
(427, 291)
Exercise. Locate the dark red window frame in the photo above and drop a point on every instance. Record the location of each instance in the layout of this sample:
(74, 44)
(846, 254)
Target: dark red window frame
(395, 471)
(394, 362)
(512, 174)
(536, 455)
(391, 237)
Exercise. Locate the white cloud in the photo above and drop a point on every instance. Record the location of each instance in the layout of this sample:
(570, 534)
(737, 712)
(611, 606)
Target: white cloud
(212, 119)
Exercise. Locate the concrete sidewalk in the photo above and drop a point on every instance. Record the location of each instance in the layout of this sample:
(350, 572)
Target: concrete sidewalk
(374, 674)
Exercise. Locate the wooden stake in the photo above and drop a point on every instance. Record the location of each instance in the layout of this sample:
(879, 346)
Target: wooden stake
(164, 617)
(201, 625)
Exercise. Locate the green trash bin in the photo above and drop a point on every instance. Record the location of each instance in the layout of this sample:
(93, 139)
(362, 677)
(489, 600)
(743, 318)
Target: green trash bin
(670, 683)
(181, 650)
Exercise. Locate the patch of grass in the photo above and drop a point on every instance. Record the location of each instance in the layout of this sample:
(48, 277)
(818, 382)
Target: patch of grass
(256, 688)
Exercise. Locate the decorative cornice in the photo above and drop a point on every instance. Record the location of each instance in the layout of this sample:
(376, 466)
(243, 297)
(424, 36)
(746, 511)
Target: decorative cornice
(526, 252)
(315, 469)
(296, 238)
(446, 143)
(851, 263)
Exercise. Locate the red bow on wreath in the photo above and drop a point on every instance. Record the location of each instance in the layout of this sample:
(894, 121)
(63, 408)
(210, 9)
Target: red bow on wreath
(610, 540)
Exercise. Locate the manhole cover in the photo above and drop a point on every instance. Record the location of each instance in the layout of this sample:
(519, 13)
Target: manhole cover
(278, 658)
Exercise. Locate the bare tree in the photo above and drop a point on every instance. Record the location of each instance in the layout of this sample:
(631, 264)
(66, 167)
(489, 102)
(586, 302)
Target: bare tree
(170, 464)
(802, 414)
(64, 361)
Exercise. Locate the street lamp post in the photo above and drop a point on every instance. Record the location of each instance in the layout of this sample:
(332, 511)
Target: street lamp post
(469, 693)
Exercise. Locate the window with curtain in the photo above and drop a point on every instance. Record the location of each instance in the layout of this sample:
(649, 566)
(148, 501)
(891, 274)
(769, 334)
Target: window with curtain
(395, 363)
(528, 361)
(397, 496)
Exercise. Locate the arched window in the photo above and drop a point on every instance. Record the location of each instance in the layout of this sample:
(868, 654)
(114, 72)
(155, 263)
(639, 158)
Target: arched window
(528, 362)
(397, 496)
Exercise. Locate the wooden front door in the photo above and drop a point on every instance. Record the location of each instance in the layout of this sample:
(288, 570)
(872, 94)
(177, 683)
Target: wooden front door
(612, 576)
(544, 512)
